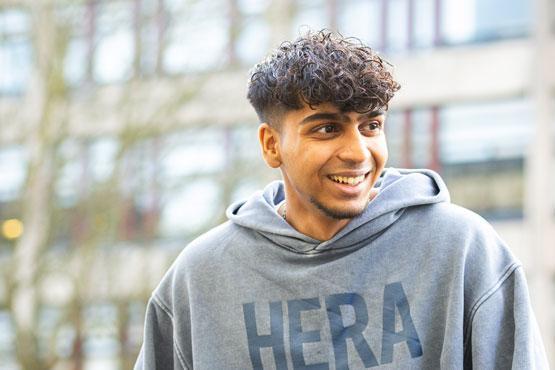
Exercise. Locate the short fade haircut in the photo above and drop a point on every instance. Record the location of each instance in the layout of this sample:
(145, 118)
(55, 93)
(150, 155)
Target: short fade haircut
(320, 67)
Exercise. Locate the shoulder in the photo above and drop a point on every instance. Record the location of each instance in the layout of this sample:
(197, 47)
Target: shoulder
(453, 216)
(200, 255)
(210, 246)
(458, 225)
(483, 255)
(487, 260)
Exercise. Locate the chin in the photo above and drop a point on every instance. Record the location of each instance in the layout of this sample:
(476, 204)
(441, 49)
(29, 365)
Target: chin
(340, 213)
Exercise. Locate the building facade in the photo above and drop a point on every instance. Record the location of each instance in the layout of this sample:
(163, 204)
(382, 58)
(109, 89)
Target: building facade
(133, 114)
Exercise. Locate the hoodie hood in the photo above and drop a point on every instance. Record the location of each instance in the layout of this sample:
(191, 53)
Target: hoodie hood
(398, 189)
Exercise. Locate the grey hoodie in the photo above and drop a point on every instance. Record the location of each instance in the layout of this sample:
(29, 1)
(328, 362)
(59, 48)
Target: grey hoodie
(415, 282)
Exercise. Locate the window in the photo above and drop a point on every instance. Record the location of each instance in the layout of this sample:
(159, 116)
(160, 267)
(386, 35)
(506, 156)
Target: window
(502, 18)
(114, 40)
(197, 36)
(470, 21)
(485, 132)
(69, 185)
(424, 21)
(102, 153)
(411, 137)
(15, 51)
(101, 345)
(482, 148)
(149, 22)
(13, 170)
(422, 150)
(76, 19)
(254, 36)
(397, 34)
(362, 19)
(479, 150)
(191, 163)
(390, 25)
(190, 208)
(193, 152)
(7, 340)
(395, 136)
(310, 14)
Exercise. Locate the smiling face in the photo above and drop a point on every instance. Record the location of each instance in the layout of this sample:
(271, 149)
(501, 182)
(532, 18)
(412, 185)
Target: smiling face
(330, 160)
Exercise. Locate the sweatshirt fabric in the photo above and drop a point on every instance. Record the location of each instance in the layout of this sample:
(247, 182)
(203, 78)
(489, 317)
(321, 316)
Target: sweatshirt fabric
(414, 282)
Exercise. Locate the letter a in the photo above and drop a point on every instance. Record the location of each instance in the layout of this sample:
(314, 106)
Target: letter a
(394, 298)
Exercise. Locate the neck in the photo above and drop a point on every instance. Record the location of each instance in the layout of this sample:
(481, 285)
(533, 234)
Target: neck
(313, 222)
(310, 222)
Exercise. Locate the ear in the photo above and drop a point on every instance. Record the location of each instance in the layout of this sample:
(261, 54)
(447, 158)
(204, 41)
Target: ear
(269, 142)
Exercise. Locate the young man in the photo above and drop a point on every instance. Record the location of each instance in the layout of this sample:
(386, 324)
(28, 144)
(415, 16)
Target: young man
(344, 264)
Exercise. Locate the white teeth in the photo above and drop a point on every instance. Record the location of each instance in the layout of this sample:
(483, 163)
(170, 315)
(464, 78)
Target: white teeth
(348, 180)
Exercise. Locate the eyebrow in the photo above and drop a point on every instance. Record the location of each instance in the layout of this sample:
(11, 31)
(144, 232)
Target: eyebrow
(338, 116)
(323, 116)
(375, 113)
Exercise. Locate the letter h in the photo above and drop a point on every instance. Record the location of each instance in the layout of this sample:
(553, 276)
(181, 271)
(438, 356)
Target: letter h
(274, 340)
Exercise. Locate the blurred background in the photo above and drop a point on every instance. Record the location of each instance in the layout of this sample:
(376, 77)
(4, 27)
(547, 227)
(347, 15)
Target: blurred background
(125, 132)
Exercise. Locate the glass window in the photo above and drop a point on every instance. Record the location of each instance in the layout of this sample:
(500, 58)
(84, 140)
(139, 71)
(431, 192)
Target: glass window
(71, 173)
(191, 208)
(361, 19)
(482, 148)
(7, 340)
(395, 134)
(14, 21)
(484, 132)
(152, 18)
(253, 41)
(15, 51)
(102, 154)
(101, 346)
(245, 143)
(75, 18)
(136, 312)
(191, 195)
(502, 18)
(421, 142)
(467, 21)
(424, 23)
(310, 14)
(139, 172)
(193, 152)
(197, 36)
(250, 172)
(457, 21)
(409, 136)
(397, 25)
(244, 188)
(149, 46)
(113, 60)
(13, 170)
(75, 66)
(254, 36)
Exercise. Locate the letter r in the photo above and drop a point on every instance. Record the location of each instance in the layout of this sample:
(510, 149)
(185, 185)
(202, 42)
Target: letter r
(341, 333)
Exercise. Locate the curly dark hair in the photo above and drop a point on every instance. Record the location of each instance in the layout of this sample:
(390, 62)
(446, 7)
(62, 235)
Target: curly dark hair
(320, 67)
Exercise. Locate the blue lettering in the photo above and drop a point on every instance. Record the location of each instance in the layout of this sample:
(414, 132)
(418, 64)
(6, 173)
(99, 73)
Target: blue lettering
(275, 339)
(340, 333)
(296, 335)
(395, 298)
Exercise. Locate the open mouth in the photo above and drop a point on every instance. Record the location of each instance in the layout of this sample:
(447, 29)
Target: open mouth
(348, 180)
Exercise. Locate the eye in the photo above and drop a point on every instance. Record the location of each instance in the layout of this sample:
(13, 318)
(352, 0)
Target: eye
(328, 128)
(371, 128)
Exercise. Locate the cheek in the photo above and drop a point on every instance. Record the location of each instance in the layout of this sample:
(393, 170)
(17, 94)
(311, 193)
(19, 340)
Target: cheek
(380, 151)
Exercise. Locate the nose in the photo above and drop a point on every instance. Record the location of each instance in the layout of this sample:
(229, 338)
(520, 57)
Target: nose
(354, 148)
